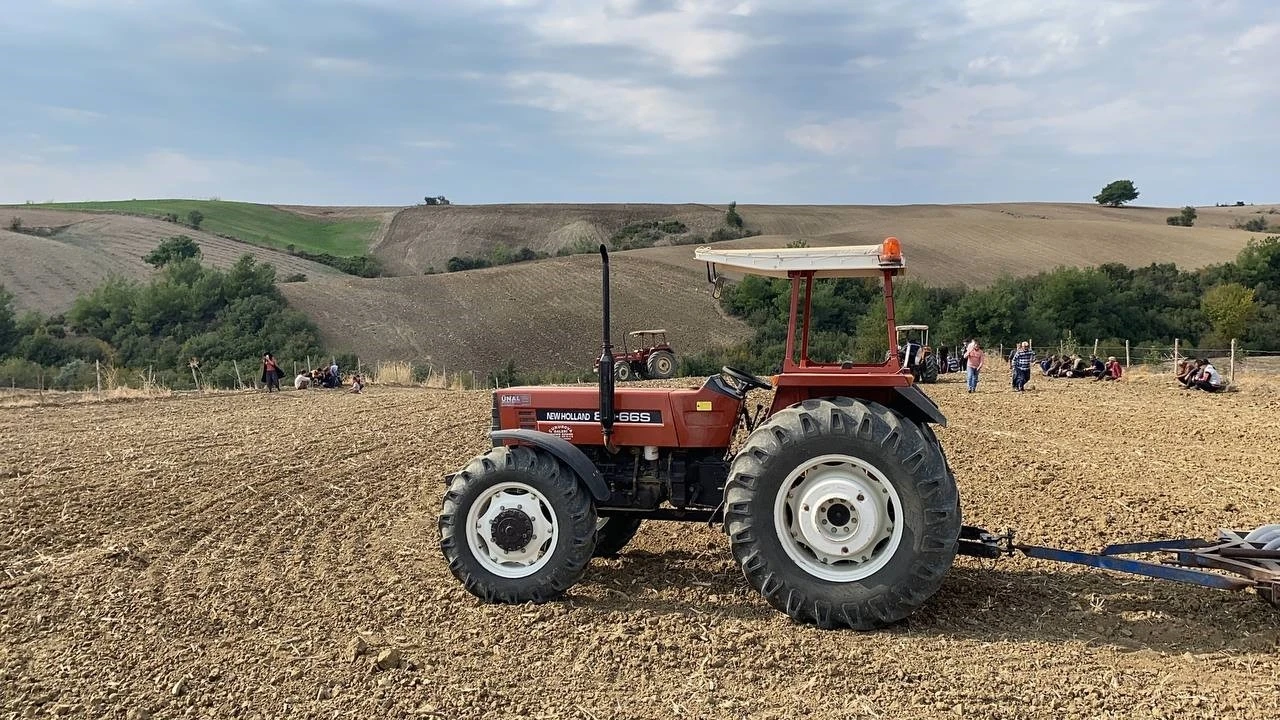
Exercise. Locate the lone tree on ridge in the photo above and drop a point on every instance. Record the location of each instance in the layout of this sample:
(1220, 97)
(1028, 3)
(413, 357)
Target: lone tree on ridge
(1117, 193)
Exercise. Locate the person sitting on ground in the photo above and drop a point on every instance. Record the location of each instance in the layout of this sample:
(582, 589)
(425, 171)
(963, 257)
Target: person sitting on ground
(1113, 369)
(1097, 368)
(1045, 363)
(302, 381)
(1079, 367)
(1188, 372)
(1208, 378)
(357, 384)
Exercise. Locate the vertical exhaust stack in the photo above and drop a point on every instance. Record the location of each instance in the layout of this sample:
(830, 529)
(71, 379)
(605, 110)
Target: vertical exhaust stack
(606, 362)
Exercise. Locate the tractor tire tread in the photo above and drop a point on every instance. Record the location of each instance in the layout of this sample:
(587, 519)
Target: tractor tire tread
(561, 487)
(794, 592)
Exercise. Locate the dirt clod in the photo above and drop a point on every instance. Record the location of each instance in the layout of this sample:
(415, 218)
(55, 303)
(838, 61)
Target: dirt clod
(388, 659)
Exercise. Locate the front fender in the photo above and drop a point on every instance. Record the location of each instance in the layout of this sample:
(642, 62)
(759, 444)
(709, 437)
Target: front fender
(566, 452)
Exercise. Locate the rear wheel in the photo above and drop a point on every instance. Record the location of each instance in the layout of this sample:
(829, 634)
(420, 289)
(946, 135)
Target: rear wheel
(661, 364)
(613, 534)
(517, 526)
(622, 370)
(842, 513)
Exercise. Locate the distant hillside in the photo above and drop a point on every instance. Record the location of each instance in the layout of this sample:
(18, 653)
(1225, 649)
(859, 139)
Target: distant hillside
(47, 273)
(542, 315)
(971, 244)
(338, 231)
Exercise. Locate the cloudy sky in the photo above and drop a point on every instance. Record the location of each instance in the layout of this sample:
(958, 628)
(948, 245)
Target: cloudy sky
(768, 101)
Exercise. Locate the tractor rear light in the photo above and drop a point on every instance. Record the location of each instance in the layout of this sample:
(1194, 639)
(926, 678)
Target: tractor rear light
(890, 251)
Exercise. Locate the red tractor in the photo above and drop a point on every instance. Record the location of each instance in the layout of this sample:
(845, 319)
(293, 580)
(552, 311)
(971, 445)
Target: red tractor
(652, 358)
(840, 506)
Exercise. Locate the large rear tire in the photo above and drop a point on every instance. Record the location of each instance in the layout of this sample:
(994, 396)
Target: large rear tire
(661, 364)
(842, 513)
(613, 534)
(517, 526)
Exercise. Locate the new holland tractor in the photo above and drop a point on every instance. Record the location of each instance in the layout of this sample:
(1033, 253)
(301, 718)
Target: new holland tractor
(839, 506)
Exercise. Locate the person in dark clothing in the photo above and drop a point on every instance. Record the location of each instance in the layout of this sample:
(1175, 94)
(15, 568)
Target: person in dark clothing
(270, 373)
(1020, 363)
(1096, 367)
(942, 358)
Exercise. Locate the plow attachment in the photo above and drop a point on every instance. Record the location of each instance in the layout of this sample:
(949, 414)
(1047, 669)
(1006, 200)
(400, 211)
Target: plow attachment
(1251, 556)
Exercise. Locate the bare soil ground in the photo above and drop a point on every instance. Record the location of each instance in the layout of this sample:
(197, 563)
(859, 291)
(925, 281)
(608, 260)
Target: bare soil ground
(543, 315)
(206, 558)
(47, 273)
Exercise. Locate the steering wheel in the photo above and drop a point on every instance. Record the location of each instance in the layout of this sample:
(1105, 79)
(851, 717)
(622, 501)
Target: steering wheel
(744, 382)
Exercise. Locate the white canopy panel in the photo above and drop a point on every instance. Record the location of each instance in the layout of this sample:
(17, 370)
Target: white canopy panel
(824, 262)
(659, 331)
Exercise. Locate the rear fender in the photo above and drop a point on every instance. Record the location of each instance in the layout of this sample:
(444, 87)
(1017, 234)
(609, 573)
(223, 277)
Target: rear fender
(564, 451)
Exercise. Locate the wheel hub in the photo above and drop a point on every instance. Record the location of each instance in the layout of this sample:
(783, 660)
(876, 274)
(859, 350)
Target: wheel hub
(512, 529)
(836, 516)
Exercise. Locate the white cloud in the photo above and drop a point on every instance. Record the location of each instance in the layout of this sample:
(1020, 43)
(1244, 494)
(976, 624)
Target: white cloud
(612, 106)
(342, 66)
(1255, 38)
(836, 138)
(429, 144)
(955, 115)
(688, 36)
(158, 173)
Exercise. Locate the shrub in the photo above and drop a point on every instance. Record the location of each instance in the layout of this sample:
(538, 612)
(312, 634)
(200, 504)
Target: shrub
(194, 218)
(15, 224)
(295, 277)
(1257, 224)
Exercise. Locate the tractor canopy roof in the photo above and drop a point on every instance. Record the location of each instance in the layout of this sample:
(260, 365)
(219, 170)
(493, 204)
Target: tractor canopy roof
(912, 327)
(634, 333)
(823, 262)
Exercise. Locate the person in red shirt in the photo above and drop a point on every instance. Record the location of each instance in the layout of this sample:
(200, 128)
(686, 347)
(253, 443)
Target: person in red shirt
(270, 373)
(1113, 371)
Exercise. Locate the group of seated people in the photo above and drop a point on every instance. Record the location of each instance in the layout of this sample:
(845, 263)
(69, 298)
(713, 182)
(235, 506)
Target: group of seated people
(1075, 366)
(1201, 375)
(327, 377)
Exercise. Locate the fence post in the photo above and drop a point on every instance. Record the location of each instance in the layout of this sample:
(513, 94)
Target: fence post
(97, 371)
(1233, 361)
(1126, 354)
(240, 383)
(1177, 361)
(1095, 347)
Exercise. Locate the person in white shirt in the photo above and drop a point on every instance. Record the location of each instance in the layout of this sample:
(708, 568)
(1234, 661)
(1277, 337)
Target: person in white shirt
(302, 382)
(1208, 378)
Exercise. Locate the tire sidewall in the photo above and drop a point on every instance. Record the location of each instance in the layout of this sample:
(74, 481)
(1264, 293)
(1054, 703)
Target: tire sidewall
(911, 515)
(568, 557)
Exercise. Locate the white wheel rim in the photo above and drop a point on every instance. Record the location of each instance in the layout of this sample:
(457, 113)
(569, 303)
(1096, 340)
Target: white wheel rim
(838, 518)
(521, 562)
(663, 364)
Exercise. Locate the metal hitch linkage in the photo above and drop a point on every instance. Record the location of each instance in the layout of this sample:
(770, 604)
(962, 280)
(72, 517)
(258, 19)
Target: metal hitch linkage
(1252, 555)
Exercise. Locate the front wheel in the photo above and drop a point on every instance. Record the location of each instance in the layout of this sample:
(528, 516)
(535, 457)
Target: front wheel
(622, 371)
(517, 526)
(842, 513)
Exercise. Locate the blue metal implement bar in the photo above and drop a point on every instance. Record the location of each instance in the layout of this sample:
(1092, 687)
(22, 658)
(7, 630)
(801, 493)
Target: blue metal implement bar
(1138, 567)
(1156, 546)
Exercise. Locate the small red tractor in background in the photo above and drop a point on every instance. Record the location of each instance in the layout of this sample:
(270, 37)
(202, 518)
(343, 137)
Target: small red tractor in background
(840, 506)
(652, 359)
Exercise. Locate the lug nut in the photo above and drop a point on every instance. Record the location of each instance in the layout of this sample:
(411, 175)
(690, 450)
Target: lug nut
(861, 497)
(844, 550)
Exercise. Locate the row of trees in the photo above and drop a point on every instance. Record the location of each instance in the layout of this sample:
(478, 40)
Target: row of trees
(1149, 305)
(185, 312)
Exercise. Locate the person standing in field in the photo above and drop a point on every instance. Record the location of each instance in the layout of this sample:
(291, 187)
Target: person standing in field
(973, 357)
(270, 373)
(1021, 362)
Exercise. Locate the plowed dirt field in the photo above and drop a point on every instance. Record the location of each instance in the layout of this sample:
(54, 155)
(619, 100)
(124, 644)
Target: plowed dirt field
(231, 556)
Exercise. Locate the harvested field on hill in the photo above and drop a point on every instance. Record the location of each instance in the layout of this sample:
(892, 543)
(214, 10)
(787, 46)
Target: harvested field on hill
(543, 315)
(945, 244)
(168, 558)
(47, 273)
